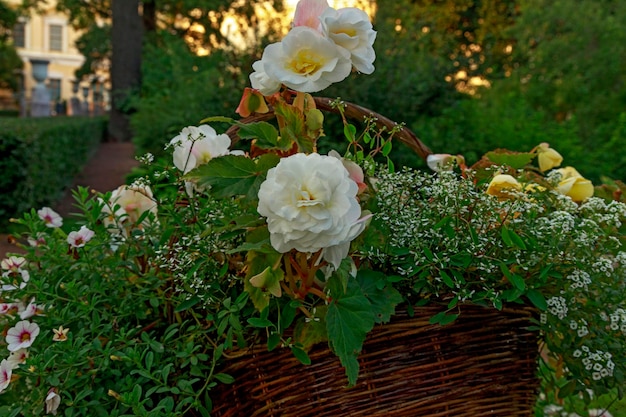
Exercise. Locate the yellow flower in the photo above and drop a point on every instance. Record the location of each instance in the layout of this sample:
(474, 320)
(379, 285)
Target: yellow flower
(547, 157)
(573, 184)
(503, 186)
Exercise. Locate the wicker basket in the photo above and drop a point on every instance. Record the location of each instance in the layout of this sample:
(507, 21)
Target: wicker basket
(483, 364)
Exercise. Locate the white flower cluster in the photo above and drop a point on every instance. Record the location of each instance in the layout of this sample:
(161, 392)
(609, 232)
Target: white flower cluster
(599, 363)
(557, 306)
(321, 49)
(618, 320)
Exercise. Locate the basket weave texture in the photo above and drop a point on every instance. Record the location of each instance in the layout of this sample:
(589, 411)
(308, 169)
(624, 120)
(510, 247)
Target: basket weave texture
(483, 364)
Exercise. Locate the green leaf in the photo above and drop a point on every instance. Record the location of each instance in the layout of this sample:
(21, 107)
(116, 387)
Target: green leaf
(446, 278)
(442, 318)
(383, 298)
(187, 304)
(348, 320)
(349, 132)
(293, 128)
(516, 160)
(233, 175)
(517, 281)
(301, 355)
(224, 378)
(261, 323)
(265, 134)
(218, 119)
(537, 298)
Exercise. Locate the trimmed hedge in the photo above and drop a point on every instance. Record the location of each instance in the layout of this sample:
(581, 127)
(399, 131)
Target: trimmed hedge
(39, 158)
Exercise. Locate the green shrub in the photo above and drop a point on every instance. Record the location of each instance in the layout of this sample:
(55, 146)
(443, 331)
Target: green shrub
(40, 157)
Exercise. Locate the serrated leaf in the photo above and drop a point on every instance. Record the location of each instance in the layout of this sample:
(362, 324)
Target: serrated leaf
(233, 175)
(383, 298)
(515, 160)
(265, 134)
(292, 127)
(348, 320)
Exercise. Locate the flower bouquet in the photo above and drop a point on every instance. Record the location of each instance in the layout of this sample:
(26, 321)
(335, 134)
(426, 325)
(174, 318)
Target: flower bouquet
(252, 275)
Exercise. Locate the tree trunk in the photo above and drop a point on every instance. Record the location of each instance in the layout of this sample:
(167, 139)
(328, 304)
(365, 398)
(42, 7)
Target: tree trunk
(126, 40)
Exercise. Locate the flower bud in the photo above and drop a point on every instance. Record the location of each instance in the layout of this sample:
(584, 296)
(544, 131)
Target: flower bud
(573, 184)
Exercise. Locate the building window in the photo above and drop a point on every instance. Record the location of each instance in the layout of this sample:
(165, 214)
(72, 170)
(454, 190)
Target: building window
(54, 86)
(56, 37)
(19, 35)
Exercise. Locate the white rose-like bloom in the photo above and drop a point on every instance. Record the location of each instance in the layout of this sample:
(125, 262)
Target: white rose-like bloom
(262, 82)
(306, 61)
(351, 29)
(310, 204)
(197, 145)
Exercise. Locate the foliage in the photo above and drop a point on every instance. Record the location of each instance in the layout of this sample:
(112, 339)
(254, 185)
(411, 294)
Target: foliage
(40, 157)
(169, 91)
(275, 244)
(11, 62)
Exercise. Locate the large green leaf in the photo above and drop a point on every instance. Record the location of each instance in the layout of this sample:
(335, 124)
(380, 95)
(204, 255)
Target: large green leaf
(383, 298)
(348, 320)
(233, 175)
(265, 134)
(515, 160)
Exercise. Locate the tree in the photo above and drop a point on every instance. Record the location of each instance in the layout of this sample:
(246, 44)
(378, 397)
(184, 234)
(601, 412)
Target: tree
(11, 63)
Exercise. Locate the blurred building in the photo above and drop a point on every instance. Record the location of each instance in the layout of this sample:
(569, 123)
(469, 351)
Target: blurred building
(47, 36)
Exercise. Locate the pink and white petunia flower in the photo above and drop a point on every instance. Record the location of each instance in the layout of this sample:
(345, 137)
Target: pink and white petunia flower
(8, 308)
(17, 358)
(78, 239)
(5, 374)
(31, 310)
(22, 335)
(50, 217)
(13, 263)
(14, 280)
(53, 400)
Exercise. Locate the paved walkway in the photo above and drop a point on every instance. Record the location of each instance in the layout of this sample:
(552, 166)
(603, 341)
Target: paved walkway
(106, 170)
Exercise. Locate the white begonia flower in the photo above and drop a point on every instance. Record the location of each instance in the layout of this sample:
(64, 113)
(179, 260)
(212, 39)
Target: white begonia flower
(259, 80)
(351, 29)
(306, 61)
(197, 145)
(310, 204)
(126, 205)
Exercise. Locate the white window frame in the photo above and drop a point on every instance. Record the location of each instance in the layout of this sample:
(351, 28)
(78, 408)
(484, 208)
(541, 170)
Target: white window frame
(56, 21)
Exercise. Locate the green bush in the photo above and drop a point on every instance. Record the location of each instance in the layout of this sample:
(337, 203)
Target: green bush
(40, 157)
(180, 89)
